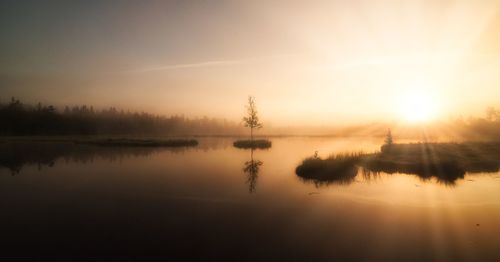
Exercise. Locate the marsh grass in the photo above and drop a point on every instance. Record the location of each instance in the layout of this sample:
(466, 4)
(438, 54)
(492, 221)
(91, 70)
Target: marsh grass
(339, 168)
(470, 157)
(253, 144)
(446, 162)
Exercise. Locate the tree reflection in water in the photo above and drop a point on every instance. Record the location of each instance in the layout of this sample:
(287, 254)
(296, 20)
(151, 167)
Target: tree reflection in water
(251, 168)
(15, 155)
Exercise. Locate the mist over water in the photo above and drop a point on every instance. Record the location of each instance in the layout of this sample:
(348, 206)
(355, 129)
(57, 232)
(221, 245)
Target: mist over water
(230, 203)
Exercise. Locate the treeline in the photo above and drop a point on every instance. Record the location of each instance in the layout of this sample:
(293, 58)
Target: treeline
(480, 128)
(17, 118)
(477, 128)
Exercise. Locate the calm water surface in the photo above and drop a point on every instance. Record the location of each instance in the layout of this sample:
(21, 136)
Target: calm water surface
(219, 202)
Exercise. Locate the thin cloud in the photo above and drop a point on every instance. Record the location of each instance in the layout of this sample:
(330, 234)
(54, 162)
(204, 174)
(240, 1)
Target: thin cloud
(207, 64)
(182, 66)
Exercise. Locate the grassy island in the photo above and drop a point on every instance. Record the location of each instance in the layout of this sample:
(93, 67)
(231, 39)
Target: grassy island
(444, 161)
(338, 168)
(125, 142)
(253, 144)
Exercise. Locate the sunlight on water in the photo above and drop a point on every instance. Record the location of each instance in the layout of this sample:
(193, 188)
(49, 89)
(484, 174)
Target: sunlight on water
(256, 194)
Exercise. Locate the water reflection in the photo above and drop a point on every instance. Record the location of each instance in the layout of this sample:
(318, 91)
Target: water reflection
(343, 176)
(251, 168)
(446, 174)
(15, 155)
(163, 203)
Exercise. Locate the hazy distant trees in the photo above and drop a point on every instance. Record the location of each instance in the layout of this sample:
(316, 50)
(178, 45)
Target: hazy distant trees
(17, 118)
(252, 120)
(478, 128)
(492, 114)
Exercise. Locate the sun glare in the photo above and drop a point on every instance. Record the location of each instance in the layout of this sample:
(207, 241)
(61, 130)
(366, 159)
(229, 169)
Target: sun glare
(417, 106)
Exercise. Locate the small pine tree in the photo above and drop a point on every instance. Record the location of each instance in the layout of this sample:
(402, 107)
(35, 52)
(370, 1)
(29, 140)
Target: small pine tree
(388, 139)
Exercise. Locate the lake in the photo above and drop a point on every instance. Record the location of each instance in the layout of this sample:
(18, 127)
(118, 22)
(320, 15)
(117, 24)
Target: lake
(216, 202)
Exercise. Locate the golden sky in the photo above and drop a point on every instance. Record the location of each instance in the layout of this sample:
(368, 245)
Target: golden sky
(306, 62)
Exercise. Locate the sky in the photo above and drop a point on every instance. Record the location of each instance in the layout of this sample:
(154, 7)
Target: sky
(306, 62)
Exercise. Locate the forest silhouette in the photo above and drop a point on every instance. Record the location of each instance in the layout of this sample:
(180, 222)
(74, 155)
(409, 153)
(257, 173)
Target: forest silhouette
(21, 119)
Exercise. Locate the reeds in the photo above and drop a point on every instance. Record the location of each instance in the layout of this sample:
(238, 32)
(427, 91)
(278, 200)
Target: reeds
(446, 162)
(339, 168)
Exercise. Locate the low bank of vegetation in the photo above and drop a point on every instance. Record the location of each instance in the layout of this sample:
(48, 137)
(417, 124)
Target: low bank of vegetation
(341, 168)
(125, 142)
(253, 144)
(444, 161)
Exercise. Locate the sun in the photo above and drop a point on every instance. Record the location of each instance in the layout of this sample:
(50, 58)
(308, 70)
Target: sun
(415, 106)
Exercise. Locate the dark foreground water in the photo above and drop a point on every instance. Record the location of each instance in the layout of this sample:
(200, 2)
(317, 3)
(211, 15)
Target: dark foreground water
(216, 202)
